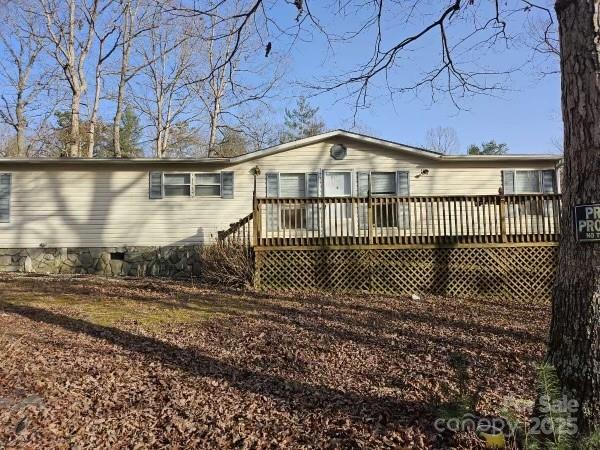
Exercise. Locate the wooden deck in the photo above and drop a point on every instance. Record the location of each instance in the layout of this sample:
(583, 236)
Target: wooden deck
(406, 221)
(485, 245)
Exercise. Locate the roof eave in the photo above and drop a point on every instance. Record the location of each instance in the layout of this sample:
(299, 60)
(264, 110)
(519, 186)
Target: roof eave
(114, 161)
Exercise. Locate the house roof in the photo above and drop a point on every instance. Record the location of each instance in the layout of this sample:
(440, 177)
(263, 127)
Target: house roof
(342, 134)
(418, 151)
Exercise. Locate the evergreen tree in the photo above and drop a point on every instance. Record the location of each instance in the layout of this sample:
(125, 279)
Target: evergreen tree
(488, 148)
(301, 122)
(130, 134)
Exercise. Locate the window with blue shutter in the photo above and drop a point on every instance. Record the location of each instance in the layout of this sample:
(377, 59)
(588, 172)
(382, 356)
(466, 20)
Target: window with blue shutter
(529, 182)
(5, 188)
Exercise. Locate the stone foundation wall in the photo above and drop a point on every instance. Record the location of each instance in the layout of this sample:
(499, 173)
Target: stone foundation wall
(177, 262)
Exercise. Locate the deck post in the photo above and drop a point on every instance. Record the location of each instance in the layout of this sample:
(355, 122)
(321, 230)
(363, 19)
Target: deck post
(370, 218)
(255, 214)
(503, 218)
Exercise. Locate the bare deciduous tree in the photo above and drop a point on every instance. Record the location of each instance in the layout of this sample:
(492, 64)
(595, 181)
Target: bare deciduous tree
(442, 139)
(70, 31)
(167, 57)
(108, 39)
(137, 18)
(233, 80)
(23, 76)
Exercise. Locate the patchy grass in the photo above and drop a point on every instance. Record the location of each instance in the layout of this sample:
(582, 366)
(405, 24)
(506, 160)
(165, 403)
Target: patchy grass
(108, 302)
(95, 363)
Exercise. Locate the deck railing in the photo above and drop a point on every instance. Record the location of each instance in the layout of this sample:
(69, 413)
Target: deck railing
(418, 220)
(238, 233)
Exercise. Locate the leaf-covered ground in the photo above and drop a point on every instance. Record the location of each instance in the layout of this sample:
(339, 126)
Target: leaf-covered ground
(93, 363)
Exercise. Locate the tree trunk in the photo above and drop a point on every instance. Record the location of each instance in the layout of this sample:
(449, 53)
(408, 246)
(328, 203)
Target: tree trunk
(21, 127)
(94, 116)
(126, 29)
(74, 137)
(119, 110)
(575, 330)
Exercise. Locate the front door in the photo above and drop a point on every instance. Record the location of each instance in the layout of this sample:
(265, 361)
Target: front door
(337, 216)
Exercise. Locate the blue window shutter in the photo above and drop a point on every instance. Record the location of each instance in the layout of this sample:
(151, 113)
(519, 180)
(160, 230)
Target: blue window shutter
(5, 187)
(156, 185)
(548, 181)
(362, 184)
(272, 182)
(312, 184)
(227, 185)
(548, 187)
(508, 182)
(312, 209)
(362, 190)
(402, 183)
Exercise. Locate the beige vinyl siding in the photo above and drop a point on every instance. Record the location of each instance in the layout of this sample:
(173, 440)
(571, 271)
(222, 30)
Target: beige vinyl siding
(444, 178)
(101, 205)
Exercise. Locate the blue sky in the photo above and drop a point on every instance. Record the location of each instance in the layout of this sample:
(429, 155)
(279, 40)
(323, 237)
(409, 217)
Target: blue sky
(527, 116)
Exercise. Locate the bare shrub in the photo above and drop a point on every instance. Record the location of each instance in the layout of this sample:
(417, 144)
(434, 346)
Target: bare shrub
(227, 264)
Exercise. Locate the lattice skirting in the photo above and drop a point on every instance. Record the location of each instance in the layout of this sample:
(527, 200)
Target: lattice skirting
(520, 272)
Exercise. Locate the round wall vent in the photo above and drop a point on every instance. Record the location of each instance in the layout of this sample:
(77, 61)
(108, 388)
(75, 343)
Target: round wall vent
(338, 151)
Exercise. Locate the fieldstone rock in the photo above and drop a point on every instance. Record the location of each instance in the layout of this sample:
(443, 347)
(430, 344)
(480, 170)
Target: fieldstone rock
(5, 260)
(62, 253)
(96, 253)
(86, 260)
(105, 258)
(37, 254)
(28, 265)
(116, 267)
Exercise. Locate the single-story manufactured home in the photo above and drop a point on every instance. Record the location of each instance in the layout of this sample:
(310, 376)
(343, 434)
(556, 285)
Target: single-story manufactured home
(133, 216)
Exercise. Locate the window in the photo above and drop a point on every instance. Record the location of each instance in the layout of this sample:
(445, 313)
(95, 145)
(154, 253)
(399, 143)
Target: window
(293, 185)
(383, 183)
(220, 184)
(5, 186)
(386, 184)
(529, 181)
(177, 184)
(207, 185)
